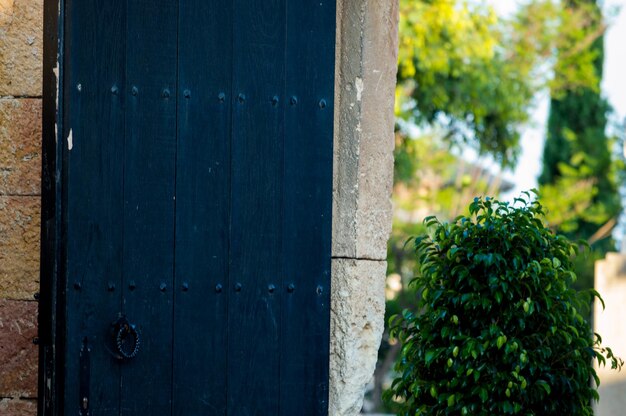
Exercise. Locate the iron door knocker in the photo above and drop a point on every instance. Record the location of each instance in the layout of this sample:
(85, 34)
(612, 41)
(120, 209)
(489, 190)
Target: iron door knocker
(126, 338)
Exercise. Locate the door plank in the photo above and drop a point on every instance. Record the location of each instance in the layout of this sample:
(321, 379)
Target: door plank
(149, 172)
(94, 198)
(310, 75)
(202, 207)
(256, 207)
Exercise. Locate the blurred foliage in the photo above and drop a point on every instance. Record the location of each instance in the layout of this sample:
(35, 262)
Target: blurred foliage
(475, 74)
(579, 178)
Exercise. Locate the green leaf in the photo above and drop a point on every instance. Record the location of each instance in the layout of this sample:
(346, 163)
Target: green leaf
(501, 341)
(430, 356)
(483, 395)
(451, 400)
(597, 295)
(544, 385)
(498, 296)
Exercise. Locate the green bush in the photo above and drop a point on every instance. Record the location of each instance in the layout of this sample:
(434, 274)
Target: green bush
(498, 328)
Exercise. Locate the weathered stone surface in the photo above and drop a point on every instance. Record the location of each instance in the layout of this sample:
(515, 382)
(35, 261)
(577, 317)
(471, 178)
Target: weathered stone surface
(19, 246)
(17, 407)
(357, 323)
(18, 355)
(364, 124)
(20, 146)
(366, 63)
(21, 33)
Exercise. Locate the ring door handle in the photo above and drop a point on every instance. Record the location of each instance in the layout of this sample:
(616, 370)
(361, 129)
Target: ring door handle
(126, 339)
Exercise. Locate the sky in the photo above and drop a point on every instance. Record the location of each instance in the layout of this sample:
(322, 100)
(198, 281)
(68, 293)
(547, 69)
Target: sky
(613, 85)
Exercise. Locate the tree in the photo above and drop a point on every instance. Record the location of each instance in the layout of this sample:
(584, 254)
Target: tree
(578, 178)
(474, 75)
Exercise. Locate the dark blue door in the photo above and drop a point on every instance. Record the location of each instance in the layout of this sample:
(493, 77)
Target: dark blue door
(196, 207)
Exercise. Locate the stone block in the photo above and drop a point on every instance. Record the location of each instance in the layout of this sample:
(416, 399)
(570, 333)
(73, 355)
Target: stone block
(17, 407)
(20, 146)
(19, 246)
(357, 324)
(18, 355)
(21, 47)
(367, 45)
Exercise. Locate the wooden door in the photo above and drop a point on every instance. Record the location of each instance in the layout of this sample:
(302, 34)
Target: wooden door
(187, 207)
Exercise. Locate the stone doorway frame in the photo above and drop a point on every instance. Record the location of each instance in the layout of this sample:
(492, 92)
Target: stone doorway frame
(365, 81)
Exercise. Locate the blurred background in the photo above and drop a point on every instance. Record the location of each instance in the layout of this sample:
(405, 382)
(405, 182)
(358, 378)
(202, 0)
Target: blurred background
(495, 97)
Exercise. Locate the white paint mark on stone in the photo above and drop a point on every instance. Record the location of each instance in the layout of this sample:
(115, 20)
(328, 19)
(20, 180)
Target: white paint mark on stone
(70, 142)
(358, 84)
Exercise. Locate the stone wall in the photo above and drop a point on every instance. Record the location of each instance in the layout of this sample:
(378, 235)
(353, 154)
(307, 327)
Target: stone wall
(366, 74)
(20, 167)
(610, 281)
